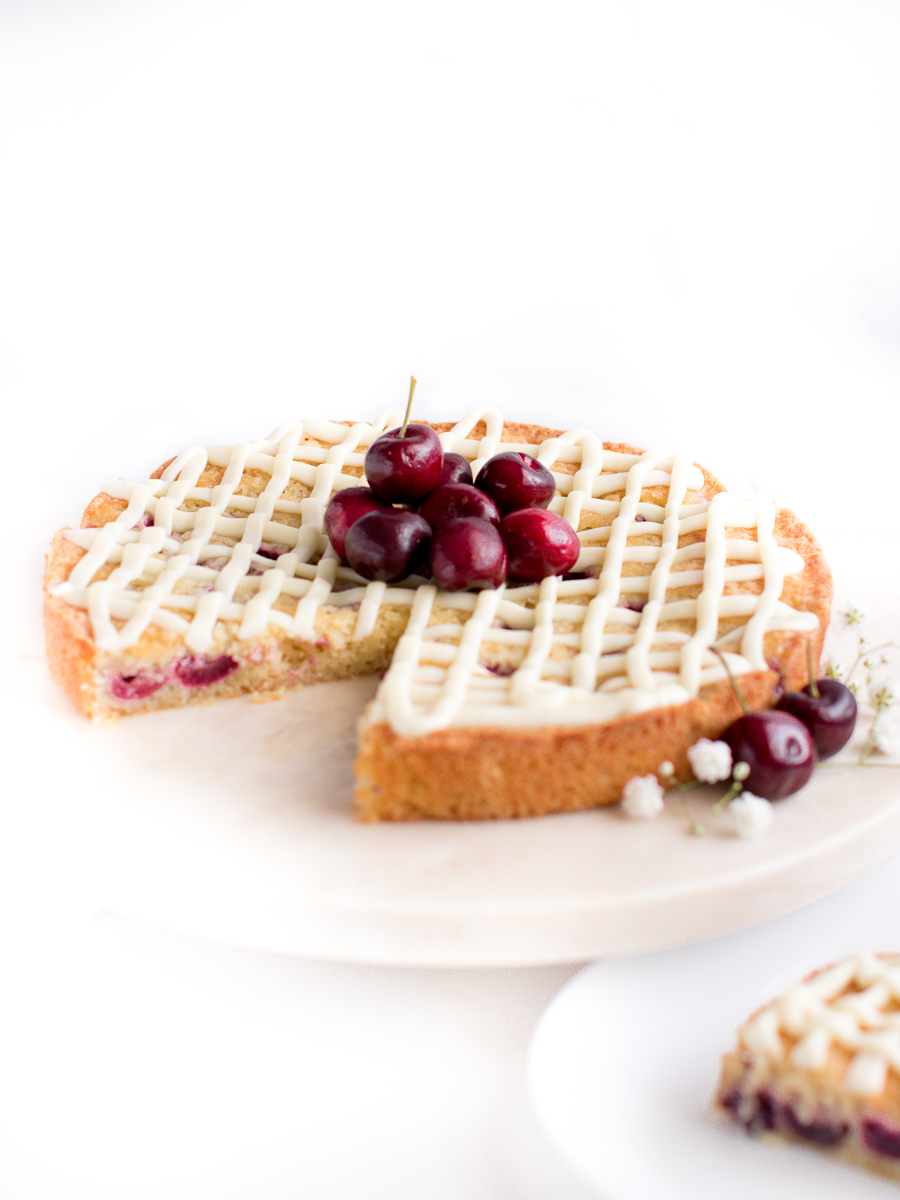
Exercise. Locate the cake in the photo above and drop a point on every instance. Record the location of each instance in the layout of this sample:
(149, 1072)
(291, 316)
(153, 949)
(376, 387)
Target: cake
(821, 1064)
(213, 578)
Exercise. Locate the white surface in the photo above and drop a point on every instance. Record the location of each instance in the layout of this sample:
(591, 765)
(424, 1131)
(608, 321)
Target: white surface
(141, 1065)
(625, 1061)
(235, 822)
(676, 223)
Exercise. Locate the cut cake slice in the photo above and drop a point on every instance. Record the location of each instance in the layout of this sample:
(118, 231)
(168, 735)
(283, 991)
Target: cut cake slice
(821, 1064)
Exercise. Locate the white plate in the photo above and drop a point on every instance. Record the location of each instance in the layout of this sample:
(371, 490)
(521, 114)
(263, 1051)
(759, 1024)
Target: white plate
(625, 1060)
(234, 822)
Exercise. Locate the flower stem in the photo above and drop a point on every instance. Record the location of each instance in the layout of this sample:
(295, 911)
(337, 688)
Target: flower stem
(865, 654)
(735, 789)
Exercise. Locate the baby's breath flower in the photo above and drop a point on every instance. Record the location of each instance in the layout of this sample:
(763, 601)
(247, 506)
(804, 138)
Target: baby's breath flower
(886, 735)
(752, 815)
(741, 771)
(832, 672)
(855, 614)
(710, 761)
(665, 769)
(642, 797)
(888, 694)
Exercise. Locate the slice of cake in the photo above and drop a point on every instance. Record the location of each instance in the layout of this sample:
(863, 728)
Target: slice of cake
(214, 578)
(821, 1064)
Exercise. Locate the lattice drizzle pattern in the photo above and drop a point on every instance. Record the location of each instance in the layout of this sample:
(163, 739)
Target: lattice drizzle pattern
(592, 646)
(854, 1004)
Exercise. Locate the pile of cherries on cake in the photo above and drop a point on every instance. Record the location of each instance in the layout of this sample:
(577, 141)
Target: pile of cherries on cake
(424, 513)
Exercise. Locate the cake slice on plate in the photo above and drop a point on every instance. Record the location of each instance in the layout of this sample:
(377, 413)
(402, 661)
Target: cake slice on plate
(820, 1064)
(214, 577)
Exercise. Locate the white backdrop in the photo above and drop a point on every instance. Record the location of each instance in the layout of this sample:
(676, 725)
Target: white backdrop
(674, 222)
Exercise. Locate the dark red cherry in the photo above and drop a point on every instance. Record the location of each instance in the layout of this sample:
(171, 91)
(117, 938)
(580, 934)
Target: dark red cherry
(137, 686)
(830, 717)
(402, 470)
(457, 500)
(821, 1130)
(777, 748)
(514, 480)
(455, 469)
(194, 672)
(345, 508)
(387, 544)
(538, 543)
(880, 1137)
(467, 553)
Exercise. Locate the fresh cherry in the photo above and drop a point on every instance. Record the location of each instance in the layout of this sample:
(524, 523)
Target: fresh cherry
(387, 544)
(514, 480)
(467, 552)
(829, 716)
(457, 500)
(455, 469)
(345, 508)
(538, 543)
(778, 749)
(404, 468)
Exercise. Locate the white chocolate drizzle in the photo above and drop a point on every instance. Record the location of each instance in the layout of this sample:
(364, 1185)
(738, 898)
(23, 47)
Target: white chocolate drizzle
(613, 654)
(854, 1004)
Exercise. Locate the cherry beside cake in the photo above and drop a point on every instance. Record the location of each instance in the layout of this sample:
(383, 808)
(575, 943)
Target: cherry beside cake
(554, 614)
(821, 1064)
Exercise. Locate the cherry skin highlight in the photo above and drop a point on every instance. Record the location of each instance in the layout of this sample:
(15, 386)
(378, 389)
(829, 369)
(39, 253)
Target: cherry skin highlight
(778, 749)
(514, 480)
(454, 500)
(344, 509)
(830, 717)
(539, 543)
(467, 553)
(455, 469)
(388, 544)
(402, 470)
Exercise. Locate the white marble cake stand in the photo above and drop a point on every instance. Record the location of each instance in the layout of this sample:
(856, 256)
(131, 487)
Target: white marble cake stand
(233, 822)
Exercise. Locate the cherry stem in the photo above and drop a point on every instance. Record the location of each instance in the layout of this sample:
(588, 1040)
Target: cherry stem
(813, 685)
(731, 679)
(412, 388)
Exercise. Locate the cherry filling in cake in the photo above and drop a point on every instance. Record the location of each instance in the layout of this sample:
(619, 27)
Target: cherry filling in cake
(541, 642)
(820, 1064)
(139, 686)
(189, 672)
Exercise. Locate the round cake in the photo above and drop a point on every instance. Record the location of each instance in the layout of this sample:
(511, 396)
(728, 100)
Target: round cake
(214, 578)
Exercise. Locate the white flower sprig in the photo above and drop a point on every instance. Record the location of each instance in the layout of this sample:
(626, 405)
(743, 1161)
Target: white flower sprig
(751, 815)
(642, 798)
(710, 761)
(880, 694)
